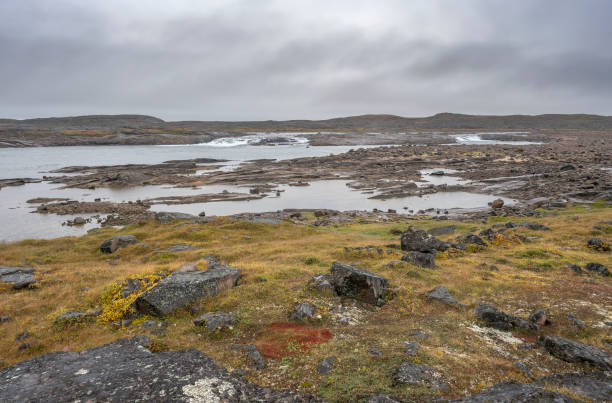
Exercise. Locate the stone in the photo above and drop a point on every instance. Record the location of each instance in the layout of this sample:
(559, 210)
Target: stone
(441, 293)
(359, 284)
(131, 285)
(215, 320)
(534, 226)
(255, 360)
(573, 351)
(500, 320)
(446, 230)
(125, 371)
(420, 241)
(576, 322)
(599, 244)
(421, 259)
(70, 317)
(540, 318)
(112, 244)
(597, 268)
(19, 277)
(374, 352)
(591, 385)
(497, 203)
(471, 239)
(327, 365)
(165, 217)
(320, 282)
(411, 347)
(575, 268)
(303, 310)
(381, 399)
(4, 319)
(514, 392)
(180, 289)
(416, 374)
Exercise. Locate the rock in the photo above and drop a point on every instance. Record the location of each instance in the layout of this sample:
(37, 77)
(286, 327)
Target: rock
(514, 392)
(131, 285)
(420, 241)
(500, 320)
(599, 244)
(180, 289)
(421, 259)
(576, 322)
(327, 365)
(353, 282)
(597, 268)
(303, 310)
(497, 203)
(381, 399)
(202, 214)
(321, 282)
(539, 318)
(534, 226)
(126, 370)
(441, 293)
(575, 268)
(374, 352)
(4, 319)
(255, 360)
(411, 347)
(471, 239)
(19, 277)
(415, 374)
(165, 217)
(591, 385)
(215, 320)
(22, 336)
(573, 351)
(112, 244)
(446, 230)
(70, 317)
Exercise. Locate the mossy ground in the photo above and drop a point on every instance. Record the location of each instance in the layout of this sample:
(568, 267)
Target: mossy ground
(278, 260)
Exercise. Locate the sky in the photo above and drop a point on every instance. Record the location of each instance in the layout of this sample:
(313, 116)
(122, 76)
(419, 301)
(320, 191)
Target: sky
(292, 59)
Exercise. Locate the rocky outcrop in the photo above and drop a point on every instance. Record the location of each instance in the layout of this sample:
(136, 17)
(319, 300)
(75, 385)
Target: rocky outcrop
(112, 244)
(497, 319)
(126, 370)
(19, 277)
(182, 288)
(573, 351)
(353, 282)
(420, 241)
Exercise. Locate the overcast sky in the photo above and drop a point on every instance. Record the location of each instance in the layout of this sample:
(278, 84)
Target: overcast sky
(285, 59)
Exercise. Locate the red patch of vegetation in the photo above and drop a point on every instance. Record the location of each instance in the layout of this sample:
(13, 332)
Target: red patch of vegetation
(283, 339)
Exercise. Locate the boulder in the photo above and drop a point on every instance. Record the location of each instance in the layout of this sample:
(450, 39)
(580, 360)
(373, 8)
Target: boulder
(19, 277)
(599, 244)
(215, 320)
(591, 385)
(254, 359)
(573, 351)
(421, 259)
(441, 293)
(420, 241)
(182, 288)
(353, 282)
(597, 268)
(534, 226)
(112, 244)
(500, 320)
(165, 217)
(514, 392)
(497, 203)
(540, 318)
(303, 310)
(126, 371)
(470, 239)
(416, 374)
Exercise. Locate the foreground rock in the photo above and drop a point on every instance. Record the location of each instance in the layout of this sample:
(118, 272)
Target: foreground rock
(592, 385)
(420, 241)
(353, 282)
(19, 277)
(420, 259)
(514, 392)
(112, 244)
(573, 351)
(126, 370)
(500, 320)
(182, 288)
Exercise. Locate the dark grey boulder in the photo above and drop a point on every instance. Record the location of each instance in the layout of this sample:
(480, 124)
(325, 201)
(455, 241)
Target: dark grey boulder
(254, 359)
(515, 392)
(470, 239)
(534, 226)
(446, 230)
(597, 268)
(19, 277)
(112, 244)
(573, 351)
(420, 241)
(327, 365)
(303, 310)
(165, 217)
(500, 320)
(591, 385)
(182, 288)
(421, 259)
(600, 244)
(441, 293)
(540, 318)
(416, 374)
(126, 371)
(215, 320)
(353, 282)
(575, 268)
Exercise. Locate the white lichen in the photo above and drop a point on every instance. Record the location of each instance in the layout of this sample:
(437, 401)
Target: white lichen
(208, 390)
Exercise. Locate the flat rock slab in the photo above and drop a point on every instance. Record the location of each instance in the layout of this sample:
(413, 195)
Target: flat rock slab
(441, 293)
(112, 244)
(497, 319)
(126, 371)
(573, 351)
(182, 288)
(353, 282)
(416, 374)
(514, 392)
(19, 277)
